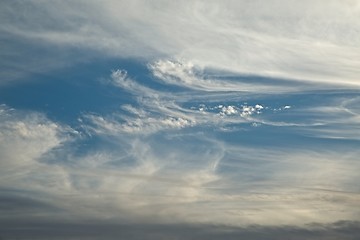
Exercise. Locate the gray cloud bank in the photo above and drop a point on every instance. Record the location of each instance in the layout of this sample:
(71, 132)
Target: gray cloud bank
(36, 230)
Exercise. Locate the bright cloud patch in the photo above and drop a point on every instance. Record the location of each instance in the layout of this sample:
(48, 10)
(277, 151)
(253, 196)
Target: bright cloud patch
(311, 41)
(25, 137)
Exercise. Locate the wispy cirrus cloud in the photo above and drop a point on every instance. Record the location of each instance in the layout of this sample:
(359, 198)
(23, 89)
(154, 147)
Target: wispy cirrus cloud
(158, 110)
(178, 180)
(264, 181)
(201, 178)
(177, 176)
(312, 41)
(190, 76)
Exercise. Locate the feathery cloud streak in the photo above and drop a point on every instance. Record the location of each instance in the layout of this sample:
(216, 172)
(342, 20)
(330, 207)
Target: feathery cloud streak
(312, 41)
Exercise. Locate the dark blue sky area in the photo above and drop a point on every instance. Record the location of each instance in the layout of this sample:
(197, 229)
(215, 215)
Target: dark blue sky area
(67, 93)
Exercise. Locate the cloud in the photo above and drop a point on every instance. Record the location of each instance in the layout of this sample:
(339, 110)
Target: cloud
(337, 118)
(157, 158)
(47, 169)
(190, 76)
(25, 137)
(235, 183)
(184, 148)
(28, 140)
(158, 110)
(101, 230)
(163, 109)
(312, 41)
(173, 177)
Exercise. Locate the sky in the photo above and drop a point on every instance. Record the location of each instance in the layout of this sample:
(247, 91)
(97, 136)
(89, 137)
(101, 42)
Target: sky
(198, 119)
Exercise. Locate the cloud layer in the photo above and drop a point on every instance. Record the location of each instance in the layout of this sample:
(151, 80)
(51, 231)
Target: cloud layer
(312, 41)
(168, 155)
(224, 119)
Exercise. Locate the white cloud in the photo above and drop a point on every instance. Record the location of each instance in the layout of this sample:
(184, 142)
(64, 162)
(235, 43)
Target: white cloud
(134, 174)
(189, 76)
(229, 110)
(143, 125)
(27, 140)
(175, 177)
(159, 110)
(167, 182)
(259, 107)
(247, 110)
(338, 118)
(25, 137)
(311, 41)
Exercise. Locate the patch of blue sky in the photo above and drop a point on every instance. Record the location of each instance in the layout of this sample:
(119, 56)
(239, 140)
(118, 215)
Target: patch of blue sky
(67, 93)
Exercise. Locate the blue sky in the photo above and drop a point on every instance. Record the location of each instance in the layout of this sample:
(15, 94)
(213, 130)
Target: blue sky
(188, 120)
